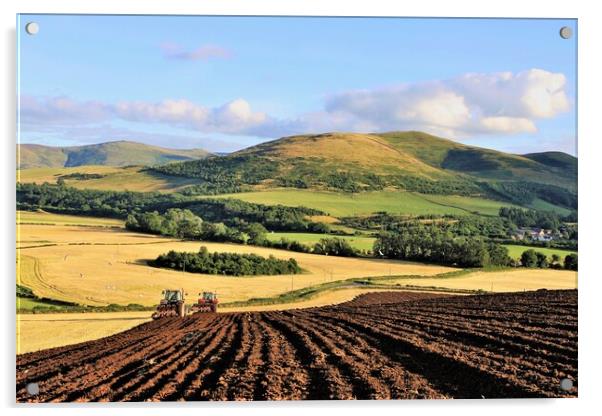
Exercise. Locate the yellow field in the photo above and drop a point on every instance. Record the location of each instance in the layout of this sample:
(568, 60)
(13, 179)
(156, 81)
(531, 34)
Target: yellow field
(132, 178)
(41, 217)
(332, 297)
(500, 281)
(98, 266)
(36, 332)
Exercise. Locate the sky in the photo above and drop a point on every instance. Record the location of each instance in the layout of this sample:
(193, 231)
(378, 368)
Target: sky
(226, 83)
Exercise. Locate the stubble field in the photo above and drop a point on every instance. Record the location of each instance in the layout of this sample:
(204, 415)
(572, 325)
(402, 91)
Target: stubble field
(98, 266)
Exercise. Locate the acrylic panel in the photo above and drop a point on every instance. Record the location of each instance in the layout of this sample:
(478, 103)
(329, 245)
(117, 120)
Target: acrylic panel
(295, 208)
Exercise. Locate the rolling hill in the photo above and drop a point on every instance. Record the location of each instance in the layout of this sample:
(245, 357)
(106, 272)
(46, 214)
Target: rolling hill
(116, 153)
(349, 163)
(355, 162)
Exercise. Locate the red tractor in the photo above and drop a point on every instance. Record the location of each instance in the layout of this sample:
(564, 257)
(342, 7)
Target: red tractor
(207, 303)
(172, 304)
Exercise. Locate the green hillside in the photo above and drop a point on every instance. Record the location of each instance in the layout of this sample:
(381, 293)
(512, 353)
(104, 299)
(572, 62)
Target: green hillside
(395, 161)
(117, 153)
(557, 160)
(555, 168)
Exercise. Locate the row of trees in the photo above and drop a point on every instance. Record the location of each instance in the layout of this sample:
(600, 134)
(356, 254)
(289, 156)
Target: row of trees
(531, 218)
(432, 245)
(65, 199)
(459, 225)
(234, 213)
(183, 223)
(222, 174)
(535, 259)
(231, 264)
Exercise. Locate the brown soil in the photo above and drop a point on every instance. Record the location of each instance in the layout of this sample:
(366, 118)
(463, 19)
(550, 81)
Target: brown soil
(378, 346)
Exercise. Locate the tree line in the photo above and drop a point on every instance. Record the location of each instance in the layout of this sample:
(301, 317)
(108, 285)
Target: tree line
(183, 223)
(536, 259)
(433, 245)
(532, 218)
(230, 264)
(120, 204)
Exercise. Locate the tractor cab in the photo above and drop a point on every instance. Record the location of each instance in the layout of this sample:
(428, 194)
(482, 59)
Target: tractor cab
(207, 303)
(172, 296)
(208, 297)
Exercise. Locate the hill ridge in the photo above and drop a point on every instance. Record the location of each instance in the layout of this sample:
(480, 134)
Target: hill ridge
(110, 153)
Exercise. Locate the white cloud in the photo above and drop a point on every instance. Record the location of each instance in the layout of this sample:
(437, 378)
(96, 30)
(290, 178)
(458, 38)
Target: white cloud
(496, 103)
(61, 110)
(509, 125)
(233, 117)
(469, 104)
(166, 111)
(237, 116)
(533, 93)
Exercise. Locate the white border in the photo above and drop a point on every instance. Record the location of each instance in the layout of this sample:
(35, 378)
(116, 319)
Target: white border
(590, 347)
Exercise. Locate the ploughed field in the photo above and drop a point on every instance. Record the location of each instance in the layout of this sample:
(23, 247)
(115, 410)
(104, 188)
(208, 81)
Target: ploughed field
(393, 345)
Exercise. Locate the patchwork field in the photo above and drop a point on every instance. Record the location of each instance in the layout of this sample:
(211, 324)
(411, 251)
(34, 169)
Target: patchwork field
(341, 205)
(360, 243)
(95, 264)
(47, 218)
(98, 266)
(131, 178)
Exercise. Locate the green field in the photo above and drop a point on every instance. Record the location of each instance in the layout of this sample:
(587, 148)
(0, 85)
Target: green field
(47, 218)
(132, 178)
(515, 251)
(360, 243)
(30, 303)
(541, 205)
(342, 205)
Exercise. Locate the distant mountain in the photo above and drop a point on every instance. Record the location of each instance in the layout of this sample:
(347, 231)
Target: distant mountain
(415, 161)
(117, 153)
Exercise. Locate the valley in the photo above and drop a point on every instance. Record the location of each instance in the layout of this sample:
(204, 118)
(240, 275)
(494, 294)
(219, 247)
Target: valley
(84, 242)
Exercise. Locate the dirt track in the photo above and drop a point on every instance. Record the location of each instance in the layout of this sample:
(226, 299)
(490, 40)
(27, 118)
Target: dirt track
(379, 346)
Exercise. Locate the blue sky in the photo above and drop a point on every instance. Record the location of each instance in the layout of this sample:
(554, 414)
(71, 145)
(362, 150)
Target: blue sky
(224, 83)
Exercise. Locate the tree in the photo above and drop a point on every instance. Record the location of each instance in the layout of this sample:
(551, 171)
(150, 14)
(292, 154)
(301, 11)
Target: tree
(529, 258)
(257, 233)
(334, 247)
(555, 263)
(542, 260)
(498, 255)
(132, 222)
(570, 261)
